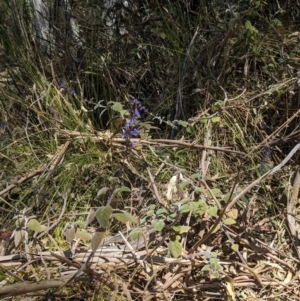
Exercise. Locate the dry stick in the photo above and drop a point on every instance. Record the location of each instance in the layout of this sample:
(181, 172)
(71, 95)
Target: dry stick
(10, 273)
(252, 272)
(29, 287)
(104, 138)
(277, 131)
(229, 205)
(291, 210)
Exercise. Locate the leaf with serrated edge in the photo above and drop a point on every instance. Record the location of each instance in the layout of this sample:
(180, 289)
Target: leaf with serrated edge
(97, 239)
(212, 211)
(35, 225)
(102, 215)
(175, 248)
(125, 217)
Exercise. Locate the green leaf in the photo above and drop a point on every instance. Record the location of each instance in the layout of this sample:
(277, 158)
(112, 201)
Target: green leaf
(150, 213)
(215, 191)
(199, 189)
(229, 221)
(185, 208)
(102, 191)
(216, 229)
(20, 222)
(125, 217)
(83, 235)
(136, 234)
(212, 211)
(175, 248)
(226, 197)
(183, 184)
(215, 119)
(80, 224)
(181, 229)
(70, 234)
(235, 247)
(97, 239)
(19, 235)
(35, 225)
(122, 189)
(102, 215)
(161, 211)
(159, 225)
(206, 268)
(117, 107)
(196, 176)
(113, 180)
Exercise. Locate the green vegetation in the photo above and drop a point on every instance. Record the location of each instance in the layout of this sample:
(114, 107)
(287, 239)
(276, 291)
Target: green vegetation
(149, 150)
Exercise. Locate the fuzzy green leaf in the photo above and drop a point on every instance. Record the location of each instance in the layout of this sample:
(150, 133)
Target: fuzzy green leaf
(18, 236)
(122, 189)
(102, 215)
(161, 211)
(215, 119)
(229, 221)
(117, 107)
(206, 268)
(216, 229)
(102, 191)
(196, 176)
(175, 248)
(70, 234)
(199, 189)
(235, 247)
(125, 217)
(136, 233)
(83, 235)
(185, 208)
(97, 239)
(181, 229)
(212, 211)
(215, 191)
(35, 225)
(183, 184)
(159, 225)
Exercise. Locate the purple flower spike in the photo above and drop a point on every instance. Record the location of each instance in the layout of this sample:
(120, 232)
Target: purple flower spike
(135, 132)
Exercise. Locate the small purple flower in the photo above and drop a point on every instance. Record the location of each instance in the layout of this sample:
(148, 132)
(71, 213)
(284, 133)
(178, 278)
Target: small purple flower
(130, 128)
(3, 128)
(62, 85)
(135, 132)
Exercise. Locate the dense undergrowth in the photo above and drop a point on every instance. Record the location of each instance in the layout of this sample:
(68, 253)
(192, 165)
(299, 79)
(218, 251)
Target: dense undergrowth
(157, 141)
